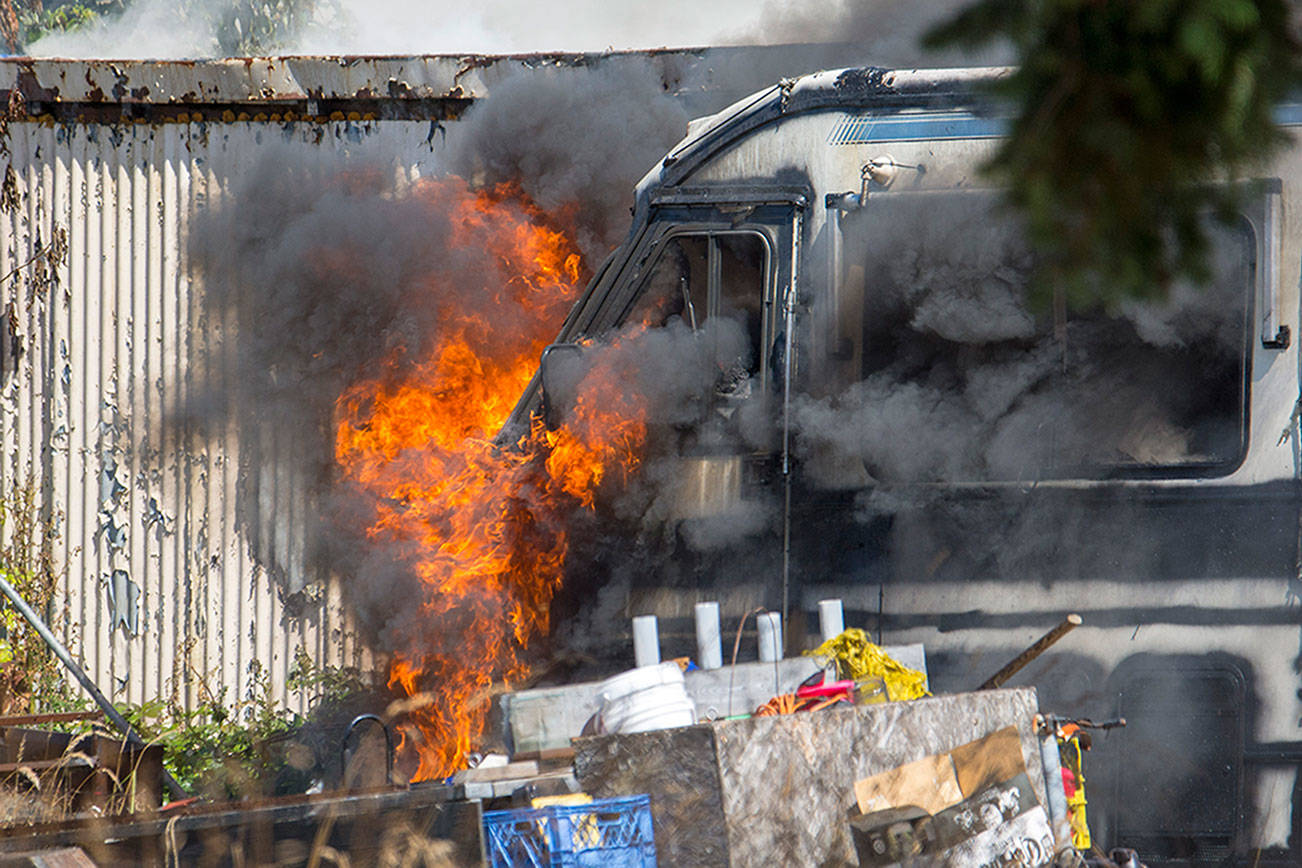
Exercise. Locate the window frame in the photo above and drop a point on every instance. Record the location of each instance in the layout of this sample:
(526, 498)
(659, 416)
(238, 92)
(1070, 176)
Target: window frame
(714, 277)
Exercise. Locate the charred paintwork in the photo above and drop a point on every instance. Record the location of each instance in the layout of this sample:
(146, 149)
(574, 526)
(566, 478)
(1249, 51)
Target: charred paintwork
(865, 82)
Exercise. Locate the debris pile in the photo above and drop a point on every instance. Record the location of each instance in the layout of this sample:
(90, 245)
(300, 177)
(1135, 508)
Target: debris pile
(841, 755)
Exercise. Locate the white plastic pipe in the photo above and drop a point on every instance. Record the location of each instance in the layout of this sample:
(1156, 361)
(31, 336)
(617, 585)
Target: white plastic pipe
(709, 650)
(831, 619)
(646, 641)
(770, 637)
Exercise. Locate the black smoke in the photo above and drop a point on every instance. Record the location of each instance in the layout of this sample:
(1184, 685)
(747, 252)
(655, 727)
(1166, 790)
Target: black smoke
(959, 377)
(316, 282)
(576, 139)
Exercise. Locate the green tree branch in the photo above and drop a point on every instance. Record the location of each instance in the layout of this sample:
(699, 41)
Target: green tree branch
(1131, 121)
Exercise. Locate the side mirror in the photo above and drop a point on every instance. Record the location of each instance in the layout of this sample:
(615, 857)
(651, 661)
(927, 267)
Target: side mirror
(560, 370)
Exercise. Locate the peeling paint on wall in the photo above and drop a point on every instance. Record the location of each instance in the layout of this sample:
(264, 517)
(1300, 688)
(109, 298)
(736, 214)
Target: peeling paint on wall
(123, 603)
(165, 593)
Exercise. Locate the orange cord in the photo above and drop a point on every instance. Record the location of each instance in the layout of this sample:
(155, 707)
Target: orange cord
(783, 703)
(820, 705)
(789, 703)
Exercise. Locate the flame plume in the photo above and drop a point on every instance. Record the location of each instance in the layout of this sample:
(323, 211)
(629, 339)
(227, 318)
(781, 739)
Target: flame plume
(482, 528)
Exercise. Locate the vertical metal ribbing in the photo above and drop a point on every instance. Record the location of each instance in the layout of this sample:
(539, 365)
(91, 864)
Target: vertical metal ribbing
(129, 324)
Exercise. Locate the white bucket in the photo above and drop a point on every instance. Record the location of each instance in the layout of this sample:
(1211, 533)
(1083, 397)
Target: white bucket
(633, 680)
(770, 637)
(651, 697)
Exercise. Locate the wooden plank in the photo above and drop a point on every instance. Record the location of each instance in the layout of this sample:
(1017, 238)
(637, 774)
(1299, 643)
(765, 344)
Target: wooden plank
(140, 838)
(62, 857)
(550, 755)
(43, 765)
(484, 775)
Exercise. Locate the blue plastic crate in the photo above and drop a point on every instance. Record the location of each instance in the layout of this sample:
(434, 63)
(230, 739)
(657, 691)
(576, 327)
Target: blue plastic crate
(606, 833)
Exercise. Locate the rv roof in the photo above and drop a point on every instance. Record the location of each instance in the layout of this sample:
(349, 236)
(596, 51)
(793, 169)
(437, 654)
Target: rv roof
(852, 88)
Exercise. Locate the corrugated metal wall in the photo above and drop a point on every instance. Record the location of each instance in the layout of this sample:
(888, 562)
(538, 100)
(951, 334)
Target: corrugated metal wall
(163, 592)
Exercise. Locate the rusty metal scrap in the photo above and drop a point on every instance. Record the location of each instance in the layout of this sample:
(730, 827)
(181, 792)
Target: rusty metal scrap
(80, 674)
(90, 771)
(54, 717)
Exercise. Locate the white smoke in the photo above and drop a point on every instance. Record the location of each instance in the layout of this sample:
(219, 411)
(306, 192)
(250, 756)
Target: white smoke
(146, 29)
(156, 29)
(885, 31)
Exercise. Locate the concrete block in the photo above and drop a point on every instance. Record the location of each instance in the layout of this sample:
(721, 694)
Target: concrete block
(547, 718)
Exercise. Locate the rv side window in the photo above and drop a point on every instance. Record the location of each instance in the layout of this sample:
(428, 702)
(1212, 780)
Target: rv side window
(949, 373)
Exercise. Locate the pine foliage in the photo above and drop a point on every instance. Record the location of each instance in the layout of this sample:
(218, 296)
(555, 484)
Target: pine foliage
(1132, 121)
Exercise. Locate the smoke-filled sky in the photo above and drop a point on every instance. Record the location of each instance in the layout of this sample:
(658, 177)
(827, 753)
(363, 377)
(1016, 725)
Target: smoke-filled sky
(166, 29)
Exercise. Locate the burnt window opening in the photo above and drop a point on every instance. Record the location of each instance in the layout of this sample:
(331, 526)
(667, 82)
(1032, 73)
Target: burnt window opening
(677, 285)
(718, 285)
(715, 276)
(741, 261)
(947, 373)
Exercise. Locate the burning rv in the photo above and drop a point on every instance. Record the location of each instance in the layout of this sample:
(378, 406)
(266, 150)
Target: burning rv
(962, 467)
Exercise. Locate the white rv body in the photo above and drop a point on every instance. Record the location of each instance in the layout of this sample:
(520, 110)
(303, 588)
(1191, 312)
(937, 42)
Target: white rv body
(1214, 648)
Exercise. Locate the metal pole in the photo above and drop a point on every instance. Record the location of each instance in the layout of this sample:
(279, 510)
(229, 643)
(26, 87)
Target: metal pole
(82, 678)
(388, 748)
(788, 368)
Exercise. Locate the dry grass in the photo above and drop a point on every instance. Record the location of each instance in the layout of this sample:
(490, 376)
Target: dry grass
(27, 808)
(403, 847)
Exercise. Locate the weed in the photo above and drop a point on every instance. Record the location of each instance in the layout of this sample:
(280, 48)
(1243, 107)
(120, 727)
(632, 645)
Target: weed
(249, 747)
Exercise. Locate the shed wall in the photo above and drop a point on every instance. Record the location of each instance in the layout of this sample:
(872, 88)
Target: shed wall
(161, 591)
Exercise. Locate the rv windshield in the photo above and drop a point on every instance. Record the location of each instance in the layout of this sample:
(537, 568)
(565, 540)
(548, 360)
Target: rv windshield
(947, 373)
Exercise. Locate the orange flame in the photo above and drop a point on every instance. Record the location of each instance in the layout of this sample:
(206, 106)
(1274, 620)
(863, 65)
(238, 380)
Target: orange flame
(482, 526)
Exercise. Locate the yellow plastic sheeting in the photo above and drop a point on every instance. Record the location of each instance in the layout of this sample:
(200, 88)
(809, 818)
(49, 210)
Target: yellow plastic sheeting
(858, 658)
(565, 799)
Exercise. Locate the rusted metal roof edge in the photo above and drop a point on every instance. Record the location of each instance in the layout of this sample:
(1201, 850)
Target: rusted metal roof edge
(434, 87)
(291, 79)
